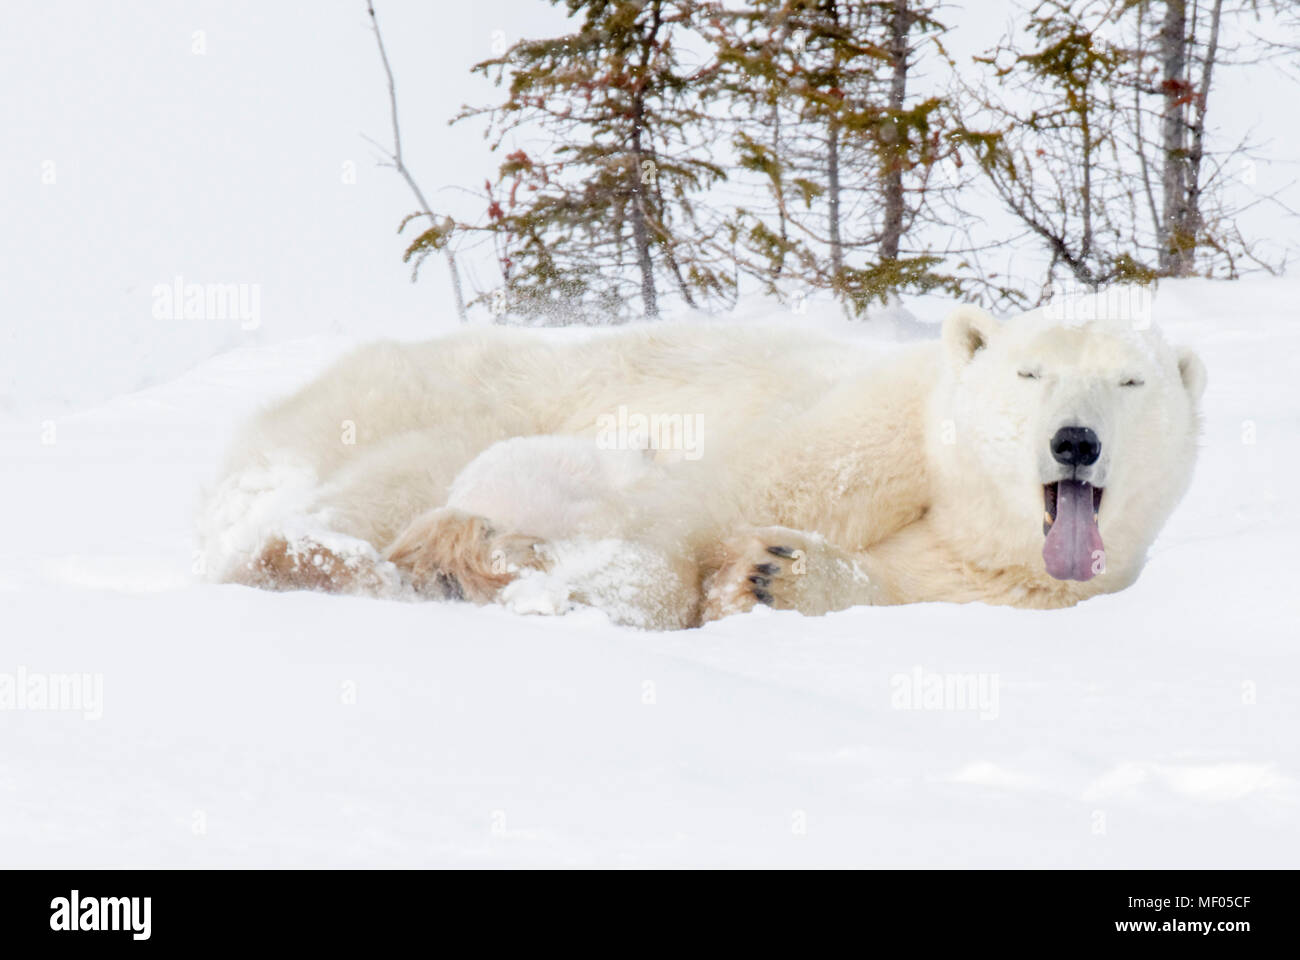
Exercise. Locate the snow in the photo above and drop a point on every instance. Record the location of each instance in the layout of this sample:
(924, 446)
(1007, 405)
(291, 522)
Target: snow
(1155, 727)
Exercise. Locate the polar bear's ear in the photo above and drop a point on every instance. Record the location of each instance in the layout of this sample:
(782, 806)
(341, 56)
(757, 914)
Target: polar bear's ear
(1192, 371)
(967, 331)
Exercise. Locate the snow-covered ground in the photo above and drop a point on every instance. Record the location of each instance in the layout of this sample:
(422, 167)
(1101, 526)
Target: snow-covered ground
(1156, 727)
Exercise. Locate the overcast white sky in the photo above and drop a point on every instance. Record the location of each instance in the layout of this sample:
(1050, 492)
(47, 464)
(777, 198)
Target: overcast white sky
(227, 166)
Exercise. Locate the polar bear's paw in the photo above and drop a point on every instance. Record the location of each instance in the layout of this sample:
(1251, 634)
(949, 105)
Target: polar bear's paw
(447, 554)
(762, 566)
(301, 563)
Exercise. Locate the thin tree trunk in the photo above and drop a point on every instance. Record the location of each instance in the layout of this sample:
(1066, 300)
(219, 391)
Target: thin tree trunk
(833, 196)
(833, 169)
(891, 238)
(1085, 131)
(670, 258)
(1196, 152)
(400, 166)
(780, 205)
(1175, 254)
(640, 227)
(1142, 146)
(640, 233)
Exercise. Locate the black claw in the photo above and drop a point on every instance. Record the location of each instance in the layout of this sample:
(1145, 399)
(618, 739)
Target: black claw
(762, 596)
(767, 569)
(786, 552)
(760, 581)
(445, 587)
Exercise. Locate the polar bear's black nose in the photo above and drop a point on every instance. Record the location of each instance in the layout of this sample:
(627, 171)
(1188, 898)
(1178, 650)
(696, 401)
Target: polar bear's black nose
(1076, 446)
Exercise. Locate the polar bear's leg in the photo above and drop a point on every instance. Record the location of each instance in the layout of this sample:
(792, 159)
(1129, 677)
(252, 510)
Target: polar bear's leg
(380, 494)
(278, 527)
(305, 563)
(541, 523)
(448, 554)
(786, 569)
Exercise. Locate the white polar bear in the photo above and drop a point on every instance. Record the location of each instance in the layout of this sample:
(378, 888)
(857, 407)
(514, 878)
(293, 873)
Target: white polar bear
(671, 474)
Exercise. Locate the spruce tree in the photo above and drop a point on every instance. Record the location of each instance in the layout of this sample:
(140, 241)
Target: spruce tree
(1103, 153)
(1176, 50)
(1059, 164)
(606, 212)
(825, 119)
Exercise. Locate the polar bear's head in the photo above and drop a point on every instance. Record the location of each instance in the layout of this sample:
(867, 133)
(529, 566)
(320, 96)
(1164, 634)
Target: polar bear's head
(1061, 446)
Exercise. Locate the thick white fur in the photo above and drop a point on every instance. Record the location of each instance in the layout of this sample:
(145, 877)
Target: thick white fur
(916, 476)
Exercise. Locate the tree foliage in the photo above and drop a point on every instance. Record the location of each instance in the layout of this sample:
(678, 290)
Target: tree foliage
(678, 150)
(604, 210)
(845, 152)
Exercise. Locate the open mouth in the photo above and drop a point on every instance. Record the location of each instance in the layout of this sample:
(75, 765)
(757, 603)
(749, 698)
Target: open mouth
(1073, 549)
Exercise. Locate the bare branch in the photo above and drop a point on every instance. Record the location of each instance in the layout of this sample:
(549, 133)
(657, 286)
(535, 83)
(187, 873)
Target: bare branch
(395, 161)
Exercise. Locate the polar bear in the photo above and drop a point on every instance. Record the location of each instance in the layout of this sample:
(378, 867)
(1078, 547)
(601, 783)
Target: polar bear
(676, 474)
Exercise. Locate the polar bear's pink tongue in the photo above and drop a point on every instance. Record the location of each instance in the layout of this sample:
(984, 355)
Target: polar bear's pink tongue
(1073, 544)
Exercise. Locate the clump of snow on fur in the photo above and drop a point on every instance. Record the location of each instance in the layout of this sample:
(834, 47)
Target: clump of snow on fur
(273, 500)
(616, 576)
(246, 507)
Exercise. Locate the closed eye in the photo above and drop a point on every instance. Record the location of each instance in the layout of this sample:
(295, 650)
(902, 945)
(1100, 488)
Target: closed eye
(1028, 375)
(1132, 382)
